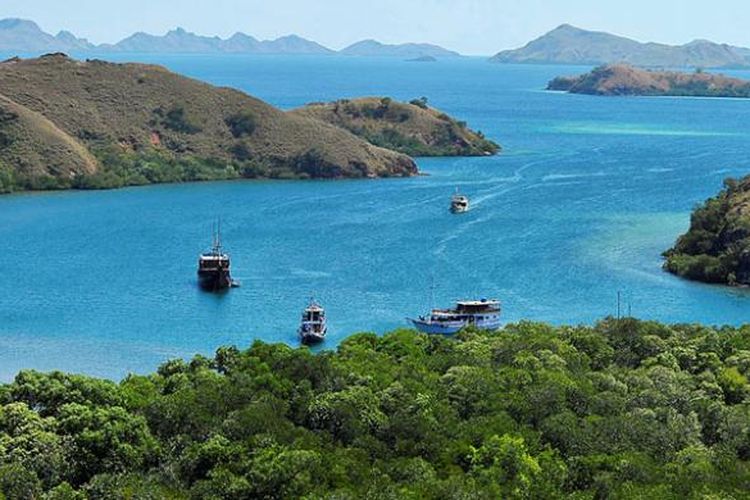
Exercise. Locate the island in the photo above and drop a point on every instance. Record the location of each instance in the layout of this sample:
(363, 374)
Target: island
(625, 80)
(570, 45)
(716, 248)
(621, 409)
(412, 128)
(66, 123)
(373, 48)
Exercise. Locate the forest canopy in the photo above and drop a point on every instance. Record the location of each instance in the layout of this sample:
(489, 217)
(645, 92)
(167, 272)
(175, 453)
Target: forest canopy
(623, 409)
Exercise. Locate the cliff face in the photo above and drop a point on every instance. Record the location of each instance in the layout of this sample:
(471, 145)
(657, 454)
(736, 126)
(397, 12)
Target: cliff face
(60, 113)
(716, 249)
(622, 79)
(411, 128)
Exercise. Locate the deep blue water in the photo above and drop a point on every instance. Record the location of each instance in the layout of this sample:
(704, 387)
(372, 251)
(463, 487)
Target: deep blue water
(587, 194)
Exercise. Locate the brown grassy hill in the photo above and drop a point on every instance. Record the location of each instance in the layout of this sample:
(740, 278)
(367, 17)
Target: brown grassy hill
(410, 128)
(37, 148)
(146, 124)
(621, 79)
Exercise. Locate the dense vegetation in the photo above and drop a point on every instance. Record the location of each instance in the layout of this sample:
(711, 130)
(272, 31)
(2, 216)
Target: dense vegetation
(625, 409)
(411, 128)
(621, 79)
(66, 123)
(716, 249)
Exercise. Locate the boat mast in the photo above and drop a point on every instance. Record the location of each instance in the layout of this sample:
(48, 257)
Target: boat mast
(432, 292)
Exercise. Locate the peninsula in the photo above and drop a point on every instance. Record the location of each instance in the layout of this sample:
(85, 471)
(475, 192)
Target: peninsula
(716, 248)
(66, 123)
(621, 79)
(412, 128)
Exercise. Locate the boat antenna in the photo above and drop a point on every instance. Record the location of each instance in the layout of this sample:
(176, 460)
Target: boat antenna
(218, 235)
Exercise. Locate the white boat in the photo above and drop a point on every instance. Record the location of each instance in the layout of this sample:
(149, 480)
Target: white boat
(313, 328)
(459, 203)
(483, 314)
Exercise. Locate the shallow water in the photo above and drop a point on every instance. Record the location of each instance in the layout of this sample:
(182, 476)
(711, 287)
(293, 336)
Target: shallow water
(587, 195)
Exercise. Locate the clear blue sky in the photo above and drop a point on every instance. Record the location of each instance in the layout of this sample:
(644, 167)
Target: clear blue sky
(469, 26)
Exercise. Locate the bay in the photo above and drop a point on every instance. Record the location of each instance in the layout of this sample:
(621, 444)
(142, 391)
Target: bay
(587, 194)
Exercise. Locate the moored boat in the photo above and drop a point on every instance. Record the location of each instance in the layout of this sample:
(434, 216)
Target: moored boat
(214, 267)
(313, 327)
(459, 203)
(484, 314)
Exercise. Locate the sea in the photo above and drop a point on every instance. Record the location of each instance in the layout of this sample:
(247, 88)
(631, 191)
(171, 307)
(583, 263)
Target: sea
(567, 225)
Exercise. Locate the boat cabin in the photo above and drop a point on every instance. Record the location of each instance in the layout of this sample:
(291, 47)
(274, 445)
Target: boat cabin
(213, 261)
(459, 204)
(313, 314)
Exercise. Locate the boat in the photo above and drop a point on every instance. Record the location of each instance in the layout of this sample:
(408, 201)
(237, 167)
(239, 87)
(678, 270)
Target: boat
(214, 267)
(313, 328)
(483, 314)
(459, 203)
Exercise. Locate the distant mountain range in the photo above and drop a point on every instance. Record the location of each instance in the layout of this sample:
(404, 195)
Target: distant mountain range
(570, 45)
(23, 36)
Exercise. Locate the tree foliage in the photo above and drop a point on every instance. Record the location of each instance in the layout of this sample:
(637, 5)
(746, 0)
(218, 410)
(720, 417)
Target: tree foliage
(624, 409)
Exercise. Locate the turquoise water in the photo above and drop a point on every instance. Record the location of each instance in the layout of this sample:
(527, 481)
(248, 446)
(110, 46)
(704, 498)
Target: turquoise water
(587, 195)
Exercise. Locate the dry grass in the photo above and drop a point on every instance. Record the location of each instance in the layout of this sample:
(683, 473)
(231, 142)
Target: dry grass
(67, 108)
(412, 129)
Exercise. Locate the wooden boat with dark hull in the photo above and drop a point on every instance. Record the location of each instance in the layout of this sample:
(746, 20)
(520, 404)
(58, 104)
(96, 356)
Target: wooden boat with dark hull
(214, 268)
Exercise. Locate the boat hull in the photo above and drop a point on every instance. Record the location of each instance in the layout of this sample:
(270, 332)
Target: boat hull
(214, 280)
(452, 327)
(312, 338)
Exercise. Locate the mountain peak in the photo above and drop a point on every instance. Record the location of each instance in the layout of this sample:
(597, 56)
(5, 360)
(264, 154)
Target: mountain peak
(567, 27)
(179, 31)
(13, 23)
(568, 44)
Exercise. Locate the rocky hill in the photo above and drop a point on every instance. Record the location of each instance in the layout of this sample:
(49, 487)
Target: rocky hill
(570, 45)
(621, 79)
(716, 249)
(411, 128)
(67, 123)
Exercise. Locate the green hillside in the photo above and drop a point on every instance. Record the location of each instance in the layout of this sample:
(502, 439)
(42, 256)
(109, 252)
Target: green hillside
(145, 124)
(410, 128)
(716, 248)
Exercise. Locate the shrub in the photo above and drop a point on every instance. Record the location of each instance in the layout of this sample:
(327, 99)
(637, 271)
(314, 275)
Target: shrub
(420, 102)
(176, 119)
(241, 124)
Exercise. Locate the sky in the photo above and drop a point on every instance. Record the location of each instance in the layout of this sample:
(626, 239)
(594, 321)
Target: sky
(479, 27)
